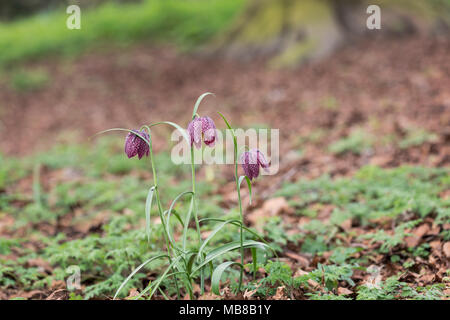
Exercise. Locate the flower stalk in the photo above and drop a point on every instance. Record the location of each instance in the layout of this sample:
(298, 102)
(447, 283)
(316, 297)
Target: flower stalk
(186, 264)
(160, 209)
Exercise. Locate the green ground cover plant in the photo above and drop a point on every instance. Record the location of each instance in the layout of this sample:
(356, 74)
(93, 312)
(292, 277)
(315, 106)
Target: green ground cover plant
(184, 23)
(93, 216)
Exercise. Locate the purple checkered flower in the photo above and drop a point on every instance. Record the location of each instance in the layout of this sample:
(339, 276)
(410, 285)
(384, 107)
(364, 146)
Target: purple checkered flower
(251, 161)
(135, 145)
(202, 128)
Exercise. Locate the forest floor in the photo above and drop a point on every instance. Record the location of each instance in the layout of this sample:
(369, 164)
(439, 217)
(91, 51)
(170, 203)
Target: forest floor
(364, 181)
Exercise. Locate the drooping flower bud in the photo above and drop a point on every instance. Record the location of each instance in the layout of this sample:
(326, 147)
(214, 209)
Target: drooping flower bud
(209, 131)
(251, 161)
(135, 145)
(202, 128)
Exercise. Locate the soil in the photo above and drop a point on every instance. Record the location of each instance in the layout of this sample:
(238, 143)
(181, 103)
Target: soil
(386, 86)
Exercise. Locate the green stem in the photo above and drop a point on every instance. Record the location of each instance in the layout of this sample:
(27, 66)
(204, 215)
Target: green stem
(197, 224)
(160, 209)
(242, 236)
(238, 187)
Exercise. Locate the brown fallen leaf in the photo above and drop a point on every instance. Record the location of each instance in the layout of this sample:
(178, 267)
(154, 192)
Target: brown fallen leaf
(426, 278)
(347, 224)
(281, 294)
(6, 221)
(435, 245)
(431, 259)
(299, 273)
(41, 264)
(249, 293)
(380, 160)
(324, 211)
(412, 241)
(344, 291)
(186, 297)
(270, 208)
(60, 294)
(446, 249)
(86, 225)
(312, 283)
(133, 293)
(434, 231)
(418, 233)
(445, 194)
(58, 284)
(209, 296)
(421, 230)
(304, 262)
(275, 206)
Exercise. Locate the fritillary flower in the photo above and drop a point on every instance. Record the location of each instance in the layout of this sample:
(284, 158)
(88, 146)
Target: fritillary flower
(135, 145)
(202, 128)
(251, 161)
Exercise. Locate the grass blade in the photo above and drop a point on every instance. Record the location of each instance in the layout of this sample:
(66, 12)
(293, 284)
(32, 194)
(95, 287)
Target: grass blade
(176, 126)
(255, 261)
(238, 223)
(148, 208)
(169, 212)
(249, 184)
(213, 233)
(230, 247)
(157, 283)
(136, 270)
(199, 100)
(217, 275)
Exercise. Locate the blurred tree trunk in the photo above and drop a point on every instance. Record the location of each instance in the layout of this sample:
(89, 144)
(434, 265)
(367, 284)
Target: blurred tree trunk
(290, 31)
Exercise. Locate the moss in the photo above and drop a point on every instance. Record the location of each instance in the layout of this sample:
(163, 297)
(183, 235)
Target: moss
(267, 24)
(314, 11)
(270, 20)
(296, 53)
(308, 20)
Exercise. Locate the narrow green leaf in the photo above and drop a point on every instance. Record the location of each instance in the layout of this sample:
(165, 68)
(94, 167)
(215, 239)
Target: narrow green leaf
(186, 223)
(190, 263)
(169, 214)
(122, 129)
(157, 283)
(199, 100)
(232, 132)
(230, 247)
(255, 261)
(226, 121)
(217, 275)
(175, 213)
(212, 234)
(236, 223)
(249, 184)
(176, 126)
(136, 270)
(148, 208)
